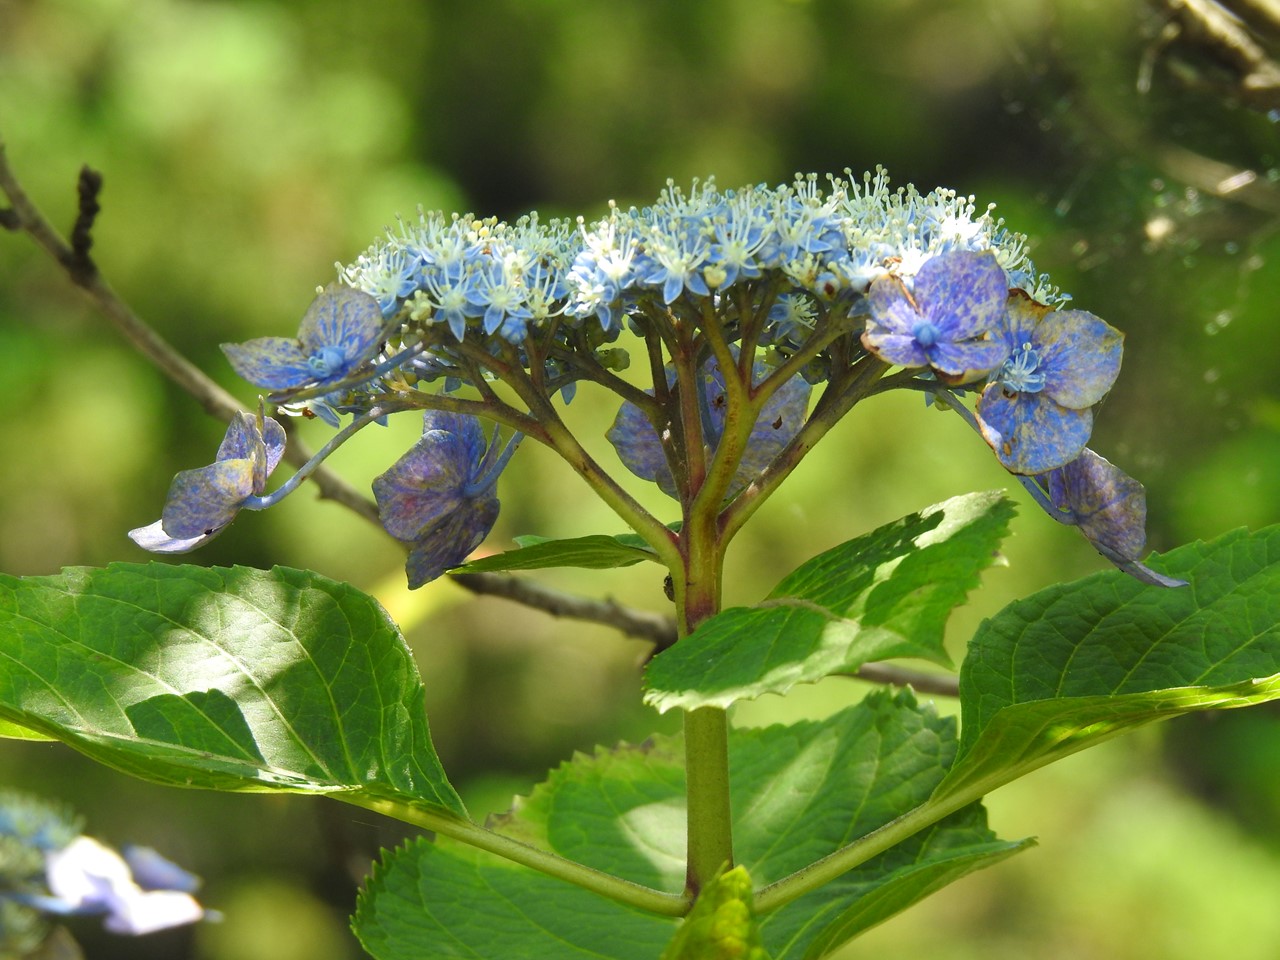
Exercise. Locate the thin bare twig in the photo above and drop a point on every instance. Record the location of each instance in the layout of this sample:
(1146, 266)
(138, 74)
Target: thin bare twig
(943, 684)
(82, 272)
(646, 625)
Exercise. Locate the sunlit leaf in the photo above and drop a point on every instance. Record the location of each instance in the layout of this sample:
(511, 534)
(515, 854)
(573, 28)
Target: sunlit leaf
(229, 679)
(1081, 662)
(886, 594)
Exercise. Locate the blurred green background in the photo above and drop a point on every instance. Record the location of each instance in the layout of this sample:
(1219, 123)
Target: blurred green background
(248, 146)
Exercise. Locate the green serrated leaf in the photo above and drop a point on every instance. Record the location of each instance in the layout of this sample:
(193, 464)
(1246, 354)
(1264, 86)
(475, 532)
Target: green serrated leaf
(227, 679)
(883, 595)
(1081, 662)
(798, 794)
(597, 552)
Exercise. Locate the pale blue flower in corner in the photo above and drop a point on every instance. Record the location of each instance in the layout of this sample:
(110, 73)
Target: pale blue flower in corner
(50, 867)
(87, 877)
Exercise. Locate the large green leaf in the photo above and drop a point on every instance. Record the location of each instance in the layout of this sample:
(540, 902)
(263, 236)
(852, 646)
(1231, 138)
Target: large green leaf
(596, 552)
(230, 679)
(1080, 662)
(886, 594)
(798, 794)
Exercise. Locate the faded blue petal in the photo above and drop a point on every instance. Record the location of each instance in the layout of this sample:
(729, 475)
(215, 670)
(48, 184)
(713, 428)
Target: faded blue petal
(439, 495)
(1029, 432)
(1110, 508)
(780, 420)
(641, 452)
(1036, 411)
(201, 502)
(952, 320)
(448, 542)
(965, 293)
(1108, 505)
(639, 448)
(340, 330)
(244, 441)
(1071, 356)
(428, 481)
(891, 328)
(342, 317)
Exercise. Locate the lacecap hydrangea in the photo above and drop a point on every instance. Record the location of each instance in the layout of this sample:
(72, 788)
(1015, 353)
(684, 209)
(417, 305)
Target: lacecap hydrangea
(735, 304)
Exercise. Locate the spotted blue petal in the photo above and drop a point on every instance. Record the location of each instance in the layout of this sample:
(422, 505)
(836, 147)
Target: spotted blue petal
(1108, 505)
(1080, 356)
(1036, 411)
(428, 482)
(203, 501)
(447, 542)
(243, 440)
(639, 448)
(951, 320)
(1029, 432)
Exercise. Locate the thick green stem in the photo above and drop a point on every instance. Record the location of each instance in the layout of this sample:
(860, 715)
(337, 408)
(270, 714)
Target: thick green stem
(706, 730)
(706, 748)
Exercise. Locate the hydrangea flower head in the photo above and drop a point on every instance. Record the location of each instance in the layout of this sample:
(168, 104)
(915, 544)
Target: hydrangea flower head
(202, 502)
(1036, 411)
(951, 320)
(341, 329)
(641, 451)
(439, 496)
(1110, 508)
